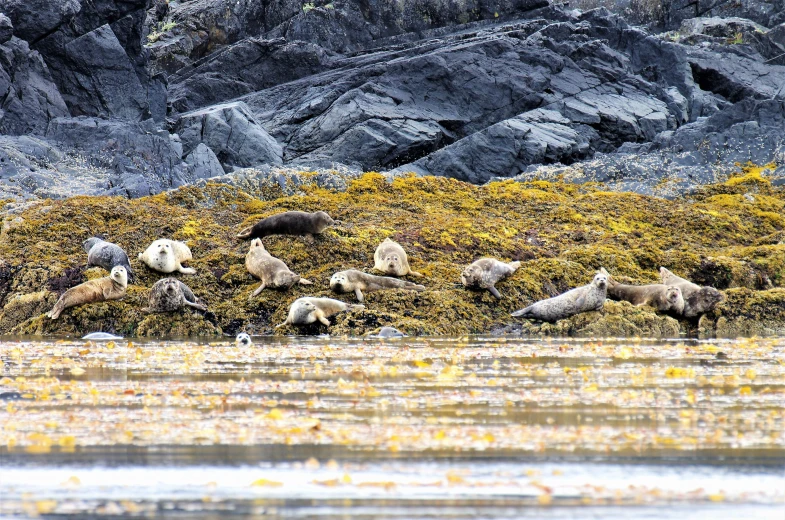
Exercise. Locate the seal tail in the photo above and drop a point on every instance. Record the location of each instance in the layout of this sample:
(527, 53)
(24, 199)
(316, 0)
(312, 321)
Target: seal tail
(56, 310)
(514, 265)
(245, 233)
(355, 307)
(418, 288)
(523, 313)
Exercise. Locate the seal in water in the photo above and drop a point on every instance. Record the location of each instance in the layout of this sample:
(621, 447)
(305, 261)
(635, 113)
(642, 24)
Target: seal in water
(107, 255)
(666, 298)
(390, 258)
(243, 340)
(308, 310)
(356, 281)
(170, 294)
(101, 336)
(110, 287)
(289, 223)
(273, 273)
(575, 301)
(167, 256)
(485, 272)
(388, 332)
(697, 300)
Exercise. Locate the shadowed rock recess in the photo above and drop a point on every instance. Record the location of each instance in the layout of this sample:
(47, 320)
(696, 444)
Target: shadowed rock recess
(216, 112)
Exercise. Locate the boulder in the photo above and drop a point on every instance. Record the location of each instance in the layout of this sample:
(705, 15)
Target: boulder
(232, 133)
(34, 19)
(203, 162)
(6, 28)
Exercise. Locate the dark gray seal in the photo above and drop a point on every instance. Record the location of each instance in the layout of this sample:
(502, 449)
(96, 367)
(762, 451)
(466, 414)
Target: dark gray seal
(107, 255)
(289, 223)
(170, 294)
(575, 301)
(697, 300)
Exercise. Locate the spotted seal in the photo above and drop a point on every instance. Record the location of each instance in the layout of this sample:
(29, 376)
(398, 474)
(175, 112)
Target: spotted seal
(273, 273)
(170, 294)
(356, 281)
(665, 298)
(390, 258)
(485, 272)
(107, 255)
(575, 301)
(308, 310)
(697, 300)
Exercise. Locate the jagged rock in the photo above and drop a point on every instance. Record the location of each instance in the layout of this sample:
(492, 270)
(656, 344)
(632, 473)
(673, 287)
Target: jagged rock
(245, 67)
(99, 65)
(765, 12)
(232, 132)
(29, 97)
(34, 19)
(6, 28)
(142, 160)
(204, 163)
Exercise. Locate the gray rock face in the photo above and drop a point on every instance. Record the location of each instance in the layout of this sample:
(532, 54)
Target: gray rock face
(29, 96)
(232, 133)
(204, 163)
(33, 19)
(6, 28)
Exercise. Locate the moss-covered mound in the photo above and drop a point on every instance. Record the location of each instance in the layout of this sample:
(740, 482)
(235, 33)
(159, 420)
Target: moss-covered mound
(727, 235)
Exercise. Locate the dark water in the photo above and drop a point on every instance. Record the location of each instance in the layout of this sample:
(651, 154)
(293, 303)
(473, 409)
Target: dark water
(414, 428)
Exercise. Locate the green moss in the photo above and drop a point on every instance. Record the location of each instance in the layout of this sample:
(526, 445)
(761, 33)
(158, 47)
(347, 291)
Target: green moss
(561, 232)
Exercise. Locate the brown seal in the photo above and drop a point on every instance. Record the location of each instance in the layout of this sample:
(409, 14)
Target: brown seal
(308, 310)
(170, 294)
(586, 298)
(485, 272)
(356, 281)
(110, 287)
(665, 298)
(289, 223)
(390, 258)
(270, 270)
(697, 300)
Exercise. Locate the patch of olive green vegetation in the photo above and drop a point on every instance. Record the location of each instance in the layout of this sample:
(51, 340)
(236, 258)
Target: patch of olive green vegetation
(726, 235)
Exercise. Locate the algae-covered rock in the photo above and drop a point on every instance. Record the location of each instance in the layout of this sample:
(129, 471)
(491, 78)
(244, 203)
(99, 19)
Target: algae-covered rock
(562, 233)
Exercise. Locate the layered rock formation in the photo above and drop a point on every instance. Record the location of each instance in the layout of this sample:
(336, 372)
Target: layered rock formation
(137, 96)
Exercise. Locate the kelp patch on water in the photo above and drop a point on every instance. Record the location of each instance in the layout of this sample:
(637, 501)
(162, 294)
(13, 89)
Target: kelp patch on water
(728, 235)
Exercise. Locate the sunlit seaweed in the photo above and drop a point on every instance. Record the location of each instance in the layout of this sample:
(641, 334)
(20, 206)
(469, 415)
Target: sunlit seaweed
(728, 235)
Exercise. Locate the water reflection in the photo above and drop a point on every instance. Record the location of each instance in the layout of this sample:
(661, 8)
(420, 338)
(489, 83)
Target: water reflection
(683, 422)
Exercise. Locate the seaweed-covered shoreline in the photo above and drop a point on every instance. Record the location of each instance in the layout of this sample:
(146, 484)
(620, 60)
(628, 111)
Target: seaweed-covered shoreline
(726, 235)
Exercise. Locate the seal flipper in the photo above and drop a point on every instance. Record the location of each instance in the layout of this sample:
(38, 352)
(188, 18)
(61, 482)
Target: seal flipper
(415, 273)
(195, 305)
(303, 281)
(523, 313)
(494, 292)
(258, 290)
(359, 294)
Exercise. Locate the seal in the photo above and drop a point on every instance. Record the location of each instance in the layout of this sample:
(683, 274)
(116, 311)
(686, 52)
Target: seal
(170, 294)
(575, 301)
(697, 300)
(110, 287)
(167, 256)
(101, 336)
(390, 258)
(308, 310)
(243, 340)
(665, 298)
(356, 281)
(107, 255)
(388, 332)
(270, 270)
(485, 272)
(289, 223)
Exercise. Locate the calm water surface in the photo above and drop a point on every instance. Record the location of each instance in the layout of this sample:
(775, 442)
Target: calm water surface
(467, 427)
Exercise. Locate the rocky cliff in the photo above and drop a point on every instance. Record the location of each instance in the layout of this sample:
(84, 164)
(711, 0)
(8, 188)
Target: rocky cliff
(135, 97)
